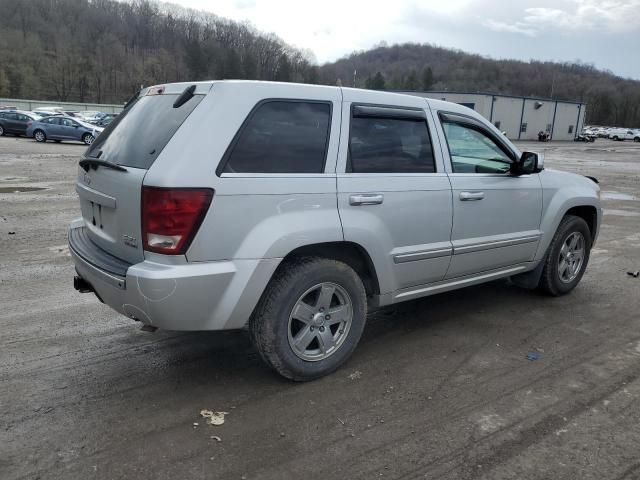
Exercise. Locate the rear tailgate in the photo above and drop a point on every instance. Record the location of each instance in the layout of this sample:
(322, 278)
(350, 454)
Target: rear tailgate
(112, 171)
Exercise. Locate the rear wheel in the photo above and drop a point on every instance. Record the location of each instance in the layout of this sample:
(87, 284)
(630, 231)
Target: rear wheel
(1, 130)
(568, 256)
(87, 138)
(310, 318)
(636, 139)
(40, 136)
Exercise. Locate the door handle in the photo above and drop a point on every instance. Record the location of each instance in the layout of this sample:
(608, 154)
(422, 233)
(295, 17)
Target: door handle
(471, 196)
(366, 199)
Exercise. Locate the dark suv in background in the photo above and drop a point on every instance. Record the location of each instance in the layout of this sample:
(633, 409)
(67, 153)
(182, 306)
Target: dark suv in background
(15, 122)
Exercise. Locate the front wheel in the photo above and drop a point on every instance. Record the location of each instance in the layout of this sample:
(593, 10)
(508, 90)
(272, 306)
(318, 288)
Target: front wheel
(310, 318)
(568, 257)
(40, 136)
(87, 138)
(1, 130)
(636, 139)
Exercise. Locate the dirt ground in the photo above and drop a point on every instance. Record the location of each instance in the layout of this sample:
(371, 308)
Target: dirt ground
(439, 388)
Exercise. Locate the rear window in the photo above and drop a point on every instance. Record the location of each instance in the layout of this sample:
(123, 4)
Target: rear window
(136, 137)
(282, 137)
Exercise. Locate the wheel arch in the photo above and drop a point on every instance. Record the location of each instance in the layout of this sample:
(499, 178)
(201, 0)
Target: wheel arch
(588, 213)
(586, 208)
(347, 252)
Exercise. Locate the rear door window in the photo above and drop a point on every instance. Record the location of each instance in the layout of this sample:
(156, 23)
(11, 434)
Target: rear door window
(281, 136)
(137, 136)
(389, 145)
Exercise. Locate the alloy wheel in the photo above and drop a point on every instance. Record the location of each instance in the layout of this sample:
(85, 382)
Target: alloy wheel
(320, 321)
(571, 257)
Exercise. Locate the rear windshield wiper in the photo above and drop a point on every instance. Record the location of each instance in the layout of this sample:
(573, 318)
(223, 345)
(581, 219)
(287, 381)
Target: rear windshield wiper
(185, 96)
(132, 99)
(94, 163)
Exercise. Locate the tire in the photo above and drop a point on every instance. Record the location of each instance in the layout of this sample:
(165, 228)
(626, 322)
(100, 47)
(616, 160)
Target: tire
(636, 139)
(561, 274)
(616, 138)
(87, 138)
(295, 289)
(1, 130)
(40, 136)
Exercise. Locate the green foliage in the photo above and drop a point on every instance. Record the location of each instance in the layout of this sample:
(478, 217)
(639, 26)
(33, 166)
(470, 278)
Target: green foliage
(427, 78)
(377, 82)
(411, 81)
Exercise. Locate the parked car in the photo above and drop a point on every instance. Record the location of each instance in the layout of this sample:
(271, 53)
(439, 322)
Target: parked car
(106, 120)
(48, 110)
(308, 205)
(15, 122)
(91, 116)
(39, 115)
(621, 134)
(59, 127)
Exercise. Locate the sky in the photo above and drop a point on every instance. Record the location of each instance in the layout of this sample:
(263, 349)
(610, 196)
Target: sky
(604, 33)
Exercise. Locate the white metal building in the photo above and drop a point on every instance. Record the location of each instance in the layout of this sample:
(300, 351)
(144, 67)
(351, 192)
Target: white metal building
(521, 117)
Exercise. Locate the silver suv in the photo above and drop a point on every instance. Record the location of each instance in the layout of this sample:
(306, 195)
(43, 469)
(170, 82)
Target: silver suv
(293, 209)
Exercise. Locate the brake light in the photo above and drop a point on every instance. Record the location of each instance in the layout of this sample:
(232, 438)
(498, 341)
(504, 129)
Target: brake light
(171, 217)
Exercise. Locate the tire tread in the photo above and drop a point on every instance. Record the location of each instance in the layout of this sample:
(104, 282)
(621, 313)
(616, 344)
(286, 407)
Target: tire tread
(261, 331)
(547, 280)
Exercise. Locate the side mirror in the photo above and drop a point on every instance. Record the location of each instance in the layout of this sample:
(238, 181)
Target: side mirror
(529, 162)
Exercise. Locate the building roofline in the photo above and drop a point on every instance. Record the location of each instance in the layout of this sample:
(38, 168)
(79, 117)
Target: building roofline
(489, 94)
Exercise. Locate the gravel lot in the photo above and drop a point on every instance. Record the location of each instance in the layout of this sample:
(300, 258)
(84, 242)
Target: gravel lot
(438, 388)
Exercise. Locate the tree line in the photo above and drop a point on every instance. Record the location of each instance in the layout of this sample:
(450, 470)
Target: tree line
(104, 50)
(610, 100)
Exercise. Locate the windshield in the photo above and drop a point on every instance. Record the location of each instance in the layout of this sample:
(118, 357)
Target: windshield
(136, 137)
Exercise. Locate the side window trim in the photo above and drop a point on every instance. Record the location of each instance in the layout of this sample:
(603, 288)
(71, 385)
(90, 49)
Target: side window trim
(359, 110)
(220, 170)
(394, 113)
(474, 124)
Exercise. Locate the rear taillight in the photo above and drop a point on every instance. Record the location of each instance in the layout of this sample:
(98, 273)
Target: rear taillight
(171, 217)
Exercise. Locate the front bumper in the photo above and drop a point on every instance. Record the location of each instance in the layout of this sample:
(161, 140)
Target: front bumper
(194, 296)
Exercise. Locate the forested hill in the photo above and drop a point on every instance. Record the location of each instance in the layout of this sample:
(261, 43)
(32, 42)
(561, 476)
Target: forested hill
(611, 99)
(103, 50)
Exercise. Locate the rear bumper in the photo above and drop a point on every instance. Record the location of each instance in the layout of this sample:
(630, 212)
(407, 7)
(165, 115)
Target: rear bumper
(196, 296)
